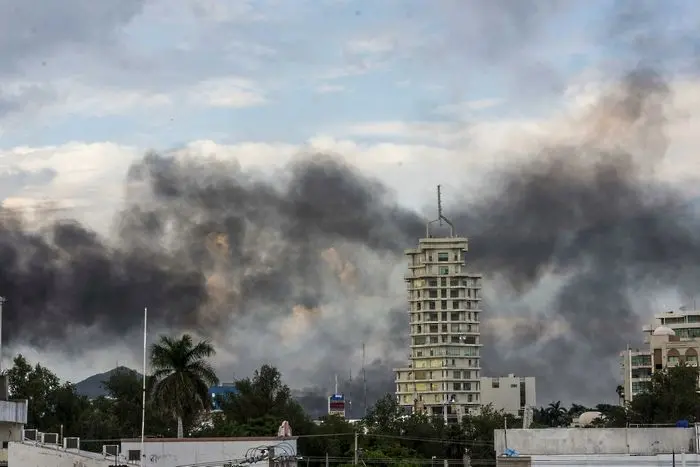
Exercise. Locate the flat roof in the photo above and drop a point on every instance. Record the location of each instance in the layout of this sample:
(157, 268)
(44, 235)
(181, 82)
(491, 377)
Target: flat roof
(220, 439)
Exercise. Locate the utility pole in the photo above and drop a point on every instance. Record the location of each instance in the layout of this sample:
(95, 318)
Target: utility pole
(2, 300)
(271, 454)
(356, 451)
(327, 464)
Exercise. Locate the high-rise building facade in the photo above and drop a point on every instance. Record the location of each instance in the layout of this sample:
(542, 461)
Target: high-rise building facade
(443, 374)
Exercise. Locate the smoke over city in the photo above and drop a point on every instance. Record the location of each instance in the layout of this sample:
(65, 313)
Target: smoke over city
(303, 268)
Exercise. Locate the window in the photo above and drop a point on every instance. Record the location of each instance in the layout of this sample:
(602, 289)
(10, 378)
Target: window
(443, 305)
(457, 386)
(431, 305)
(495, 383)
(443, 282)
(134, 455)
(455, 304)
(443, 256)
(433, 316)
(443, 293)
(456, 374)
(454, 282)
(432, 283)
(443, 316)
(444, 270)
(673, 361)
(454, 293)
(419, 340)
(454, 316)
(418, 306)
(433, 294)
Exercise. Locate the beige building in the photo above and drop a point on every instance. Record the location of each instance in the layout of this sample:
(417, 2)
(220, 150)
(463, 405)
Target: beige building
(443, 374)
(674, 337)
(512, 394)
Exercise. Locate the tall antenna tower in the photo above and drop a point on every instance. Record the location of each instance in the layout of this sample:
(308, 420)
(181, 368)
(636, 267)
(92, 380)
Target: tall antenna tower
(441, 218)
(364, 379)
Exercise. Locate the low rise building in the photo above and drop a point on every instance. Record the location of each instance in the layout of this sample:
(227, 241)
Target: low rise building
(171, 452)
(637, 365)
(597, 446)
(511, 394)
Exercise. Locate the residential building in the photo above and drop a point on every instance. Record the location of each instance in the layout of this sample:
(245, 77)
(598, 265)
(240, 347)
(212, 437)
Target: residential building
(443, 373)
(218, 394)
(512, 394)
(636, 372)
(637, 365)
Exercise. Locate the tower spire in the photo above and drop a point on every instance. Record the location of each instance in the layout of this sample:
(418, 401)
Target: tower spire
(441, 217)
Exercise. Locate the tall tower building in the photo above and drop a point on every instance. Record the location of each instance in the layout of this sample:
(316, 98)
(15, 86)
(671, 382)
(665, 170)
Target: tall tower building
(443, 374)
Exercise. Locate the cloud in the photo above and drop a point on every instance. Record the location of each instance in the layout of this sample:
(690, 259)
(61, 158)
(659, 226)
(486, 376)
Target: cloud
(33, 29)
(329, 88)
(231, 92)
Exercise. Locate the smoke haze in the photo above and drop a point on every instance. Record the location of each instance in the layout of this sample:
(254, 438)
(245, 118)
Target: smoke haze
(301, 267)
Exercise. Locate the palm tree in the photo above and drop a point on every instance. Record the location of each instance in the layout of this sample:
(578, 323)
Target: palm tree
(182, 376)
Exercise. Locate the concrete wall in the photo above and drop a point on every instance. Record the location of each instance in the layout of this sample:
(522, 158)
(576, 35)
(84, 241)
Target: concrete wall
(30, 455)
(10, 432)
(165, 452)
(566, 441)
(513, 462)
(691, 460)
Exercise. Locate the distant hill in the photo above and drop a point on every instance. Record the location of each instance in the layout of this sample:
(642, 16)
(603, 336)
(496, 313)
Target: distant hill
(92, 386)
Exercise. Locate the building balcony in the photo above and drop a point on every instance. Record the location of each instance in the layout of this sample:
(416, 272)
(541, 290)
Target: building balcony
(13, 412)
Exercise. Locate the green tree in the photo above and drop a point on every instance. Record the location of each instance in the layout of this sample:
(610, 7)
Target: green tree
(258, 407)
(53, 406)
(125, 389)
(671, 396)
(182, 376)
(479, 429)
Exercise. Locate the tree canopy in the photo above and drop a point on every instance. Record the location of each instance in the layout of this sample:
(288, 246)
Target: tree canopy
(262, 401)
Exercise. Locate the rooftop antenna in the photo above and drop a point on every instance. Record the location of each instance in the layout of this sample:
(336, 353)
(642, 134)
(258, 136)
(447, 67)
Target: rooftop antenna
(441, 218)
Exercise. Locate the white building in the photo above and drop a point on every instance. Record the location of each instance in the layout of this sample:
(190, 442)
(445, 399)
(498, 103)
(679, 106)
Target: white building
(511, 393)
(13, 417)
(443, 374)
(48, 451)
(172, 452)
(636, 364)
(633, 447)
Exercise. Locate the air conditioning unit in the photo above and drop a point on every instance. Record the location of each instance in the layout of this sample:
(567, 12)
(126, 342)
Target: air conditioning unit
(71, 443)
(111, 450)
(49, 438)
(30, 435)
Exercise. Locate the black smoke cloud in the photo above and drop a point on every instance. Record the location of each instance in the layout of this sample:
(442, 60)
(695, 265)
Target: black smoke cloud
(303, 267)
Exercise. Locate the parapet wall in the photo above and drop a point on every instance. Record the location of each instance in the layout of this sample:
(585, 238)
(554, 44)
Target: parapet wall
(567, 441)
(32, 455)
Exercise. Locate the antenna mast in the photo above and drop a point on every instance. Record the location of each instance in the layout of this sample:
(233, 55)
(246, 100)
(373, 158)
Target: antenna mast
(441, 218)
(2, 301)
(364, 379)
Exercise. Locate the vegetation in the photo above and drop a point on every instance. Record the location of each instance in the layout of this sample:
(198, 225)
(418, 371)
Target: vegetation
(182, 377)
(177, 392)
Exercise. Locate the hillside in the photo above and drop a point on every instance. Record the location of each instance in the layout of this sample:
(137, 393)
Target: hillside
(92, 386)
